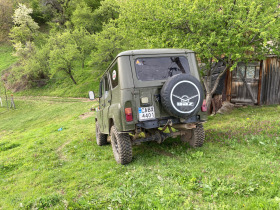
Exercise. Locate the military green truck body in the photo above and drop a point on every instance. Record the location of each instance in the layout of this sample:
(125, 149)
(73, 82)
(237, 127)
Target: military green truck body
(149, 91)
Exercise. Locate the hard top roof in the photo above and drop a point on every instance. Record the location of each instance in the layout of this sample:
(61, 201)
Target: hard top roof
(154, 51)
(149, 52)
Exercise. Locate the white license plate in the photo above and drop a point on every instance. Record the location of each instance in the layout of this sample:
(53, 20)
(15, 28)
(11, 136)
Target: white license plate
(146, 113)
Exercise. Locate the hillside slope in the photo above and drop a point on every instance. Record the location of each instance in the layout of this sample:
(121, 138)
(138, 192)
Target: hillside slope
(49, 159)
(59, 85)
(6, 58)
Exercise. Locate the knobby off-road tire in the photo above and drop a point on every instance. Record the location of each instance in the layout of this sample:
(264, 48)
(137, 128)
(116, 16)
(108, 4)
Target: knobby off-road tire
(121, 145)
(198, 136)
(101, 139)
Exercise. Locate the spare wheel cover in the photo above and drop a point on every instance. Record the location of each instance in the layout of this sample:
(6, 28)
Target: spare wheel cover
(182, 95)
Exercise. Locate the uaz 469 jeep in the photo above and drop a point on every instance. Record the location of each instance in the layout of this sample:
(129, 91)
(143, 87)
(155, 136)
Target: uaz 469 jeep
(150, 95)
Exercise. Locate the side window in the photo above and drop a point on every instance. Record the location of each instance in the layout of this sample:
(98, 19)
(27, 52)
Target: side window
(100, 88)
(114, 74)
(104, 87)
(106, 83)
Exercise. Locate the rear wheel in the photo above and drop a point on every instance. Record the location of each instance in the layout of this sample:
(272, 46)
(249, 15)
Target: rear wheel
(121, 145)
(101, 139)
(195, 137)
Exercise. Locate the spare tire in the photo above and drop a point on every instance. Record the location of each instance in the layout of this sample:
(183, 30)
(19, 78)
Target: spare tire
(182, 95)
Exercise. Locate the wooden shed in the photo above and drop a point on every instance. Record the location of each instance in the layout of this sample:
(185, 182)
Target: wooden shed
(250, 83)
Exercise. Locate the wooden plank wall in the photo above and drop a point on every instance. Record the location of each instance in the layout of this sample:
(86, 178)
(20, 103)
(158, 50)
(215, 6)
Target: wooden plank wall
(270, 81)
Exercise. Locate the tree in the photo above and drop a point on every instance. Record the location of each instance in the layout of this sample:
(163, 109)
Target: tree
(64, 53)
(108, 43)
(25, 27)
(92, 19)
(83, 17)
(6, 11)
(23, 32)
(84, 42)
(36, 68)
(229, 31)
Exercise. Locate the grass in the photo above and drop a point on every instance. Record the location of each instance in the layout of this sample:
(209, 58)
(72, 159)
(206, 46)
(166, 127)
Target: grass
(60, 84)
(6, 58)
(42, 167)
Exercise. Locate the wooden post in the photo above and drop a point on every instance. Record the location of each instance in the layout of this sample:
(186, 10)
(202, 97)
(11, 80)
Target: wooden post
(12, 102)
(228, 85)
(6, 97)
(260, 83)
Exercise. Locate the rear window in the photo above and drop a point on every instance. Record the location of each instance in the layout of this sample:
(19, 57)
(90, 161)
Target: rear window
(159, 68)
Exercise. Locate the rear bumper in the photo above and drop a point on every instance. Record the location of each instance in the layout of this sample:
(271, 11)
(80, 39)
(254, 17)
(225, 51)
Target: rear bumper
(149, 124)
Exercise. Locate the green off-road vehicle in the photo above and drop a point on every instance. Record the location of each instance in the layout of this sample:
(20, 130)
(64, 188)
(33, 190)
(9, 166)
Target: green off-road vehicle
(150, 95)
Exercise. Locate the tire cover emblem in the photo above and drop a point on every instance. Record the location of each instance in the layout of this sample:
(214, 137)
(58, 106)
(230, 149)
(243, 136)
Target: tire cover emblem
(185, 97)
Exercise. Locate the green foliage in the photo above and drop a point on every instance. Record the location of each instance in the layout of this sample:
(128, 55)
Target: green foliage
(85, 43)
(25, 27)
(84, 17)
(226, 31)
(37, 67)
(236, 30)
(93, 20)
(108, 43)
(41, 167)
(64, 52)
(6, 11)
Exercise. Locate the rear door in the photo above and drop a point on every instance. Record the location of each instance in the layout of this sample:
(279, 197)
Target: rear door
(149, 74)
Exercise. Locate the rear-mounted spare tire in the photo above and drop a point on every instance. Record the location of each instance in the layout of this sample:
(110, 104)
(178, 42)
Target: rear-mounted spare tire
(182, 95)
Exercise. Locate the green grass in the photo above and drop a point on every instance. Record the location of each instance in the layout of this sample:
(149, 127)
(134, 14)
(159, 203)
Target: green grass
(6, 58)
(41, 167)
(62, 86)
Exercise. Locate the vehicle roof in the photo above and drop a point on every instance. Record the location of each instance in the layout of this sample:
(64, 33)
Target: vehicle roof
(149, 52)
(154, 51)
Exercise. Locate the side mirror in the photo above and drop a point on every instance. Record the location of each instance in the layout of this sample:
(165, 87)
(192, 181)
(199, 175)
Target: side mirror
(91, 95)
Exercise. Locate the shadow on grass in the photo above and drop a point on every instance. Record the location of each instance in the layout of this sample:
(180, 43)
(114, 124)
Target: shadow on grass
(3, 146)
(7, 168)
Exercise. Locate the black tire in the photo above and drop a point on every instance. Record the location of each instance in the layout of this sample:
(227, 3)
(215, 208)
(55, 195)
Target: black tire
(198, 136)
(187, 136)
(121, 145)
(101, 139)
(182, 95)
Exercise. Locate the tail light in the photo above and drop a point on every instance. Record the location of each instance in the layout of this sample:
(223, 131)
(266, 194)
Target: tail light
(128, 114)
(204, 106)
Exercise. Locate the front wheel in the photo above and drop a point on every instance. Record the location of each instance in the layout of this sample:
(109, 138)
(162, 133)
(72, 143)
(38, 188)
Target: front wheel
(121, 145)
(101, 139)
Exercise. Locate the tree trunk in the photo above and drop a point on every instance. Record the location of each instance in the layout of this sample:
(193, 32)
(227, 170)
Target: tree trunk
(208, 101)
(71, 76)
(209, 90)
(69, 72)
